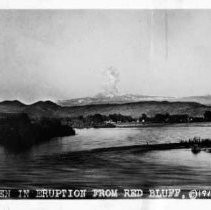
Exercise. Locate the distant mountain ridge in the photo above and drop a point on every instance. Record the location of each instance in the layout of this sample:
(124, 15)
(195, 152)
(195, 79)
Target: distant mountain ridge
(12, 103)
(206, 99)
(134, 109)
(114, 99)
(128, 98)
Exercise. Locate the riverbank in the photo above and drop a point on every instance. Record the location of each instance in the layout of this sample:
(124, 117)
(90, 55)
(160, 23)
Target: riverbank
(18, 132)
(134, 125)
(144, 125)
(202, 144)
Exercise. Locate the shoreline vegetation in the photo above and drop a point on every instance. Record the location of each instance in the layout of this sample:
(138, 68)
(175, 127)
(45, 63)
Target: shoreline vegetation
(195, 144)
(118, 120)
(23, 126)
(19, 132)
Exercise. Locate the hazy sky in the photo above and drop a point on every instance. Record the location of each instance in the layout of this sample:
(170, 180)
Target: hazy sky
(62, 54)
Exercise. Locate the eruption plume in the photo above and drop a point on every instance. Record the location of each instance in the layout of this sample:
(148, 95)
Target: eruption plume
(110, 84)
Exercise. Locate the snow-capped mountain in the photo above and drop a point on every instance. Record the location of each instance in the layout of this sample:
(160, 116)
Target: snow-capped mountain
(111, 99)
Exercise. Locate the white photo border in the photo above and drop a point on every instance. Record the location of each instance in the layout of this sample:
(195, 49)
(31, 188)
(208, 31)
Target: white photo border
(104, 204)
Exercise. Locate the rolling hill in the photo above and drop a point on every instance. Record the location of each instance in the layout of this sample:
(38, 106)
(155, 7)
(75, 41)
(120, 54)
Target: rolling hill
(134, 109)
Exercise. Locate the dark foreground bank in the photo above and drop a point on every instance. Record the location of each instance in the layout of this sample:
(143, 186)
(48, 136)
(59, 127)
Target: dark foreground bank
(18, 132)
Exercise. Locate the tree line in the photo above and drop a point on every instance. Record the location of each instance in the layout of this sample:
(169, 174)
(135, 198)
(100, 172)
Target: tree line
(106, 120)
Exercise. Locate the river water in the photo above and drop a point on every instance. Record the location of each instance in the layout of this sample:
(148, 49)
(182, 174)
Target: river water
(54, 163)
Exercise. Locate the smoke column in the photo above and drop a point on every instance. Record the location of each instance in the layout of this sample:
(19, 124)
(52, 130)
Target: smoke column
(110, 84)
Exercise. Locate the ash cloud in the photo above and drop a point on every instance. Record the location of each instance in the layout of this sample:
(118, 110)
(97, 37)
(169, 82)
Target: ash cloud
(110, 83)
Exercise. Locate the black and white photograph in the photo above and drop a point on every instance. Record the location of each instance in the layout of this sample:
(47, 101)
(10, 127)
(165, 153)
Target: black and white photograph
(105, 104)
